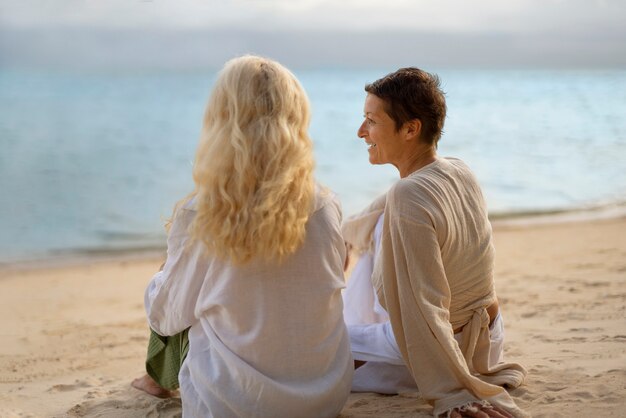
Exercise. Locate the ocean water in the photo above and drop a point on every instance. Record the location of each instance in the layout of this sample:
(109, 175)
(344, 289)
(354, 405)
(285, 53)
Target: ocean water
(93, 162)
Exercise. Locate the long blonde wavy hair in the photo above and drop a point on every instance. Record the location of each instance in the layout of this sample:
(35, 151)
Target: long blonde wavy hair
(254, 164)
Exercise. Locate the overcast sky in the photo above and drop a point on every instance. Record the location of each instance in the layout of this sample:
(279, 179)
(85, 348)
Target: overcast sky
(448, 15)
(574, 32)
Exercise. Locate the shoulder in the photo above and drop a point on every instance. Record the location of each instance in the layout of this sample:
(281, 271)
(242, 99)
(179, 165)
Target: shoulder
(324, 222)
(408, 201)
(463, 177)
(326, 200)
(456, 162)
(461, 168)
(183, 214)
(441, 175)
(419, 197)
(187, 209)
(189, 203)
(416, 188)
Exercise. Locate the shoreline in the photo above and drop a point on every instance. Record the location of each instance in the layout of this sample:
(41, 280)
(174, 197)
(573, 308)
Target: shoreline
(506, 220)
(83, 258)
(588, 213)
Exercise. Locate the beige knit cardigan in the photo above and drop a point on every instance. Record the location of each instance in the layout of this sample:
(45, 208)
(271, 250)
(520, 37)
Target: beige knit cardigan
(434, 275)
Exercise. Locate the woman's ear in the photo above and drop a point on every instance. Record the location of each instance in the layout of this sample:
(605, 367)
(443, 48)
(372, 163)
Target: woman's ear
(412, 129)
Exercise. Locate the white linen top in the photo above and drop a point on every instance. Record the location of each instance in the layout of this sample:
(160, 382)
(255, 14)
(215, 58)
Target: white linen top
(266, 339)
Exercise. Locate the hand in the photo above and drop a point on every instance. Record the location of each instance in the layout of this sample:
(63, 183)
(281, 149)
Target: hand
(478, 410)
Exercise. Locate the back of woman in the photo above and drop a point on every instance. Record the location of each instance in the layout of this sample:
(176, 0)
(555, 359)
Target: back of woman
(270, 339)
(447, 195)
(255, 260)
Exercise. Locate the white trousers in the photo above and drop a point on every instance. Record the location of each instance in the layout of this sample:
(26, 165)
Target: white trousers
(371, 335)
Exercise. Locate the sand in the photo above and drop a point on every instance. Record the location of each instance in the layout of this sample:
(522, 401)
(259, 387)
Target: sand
(74, 337)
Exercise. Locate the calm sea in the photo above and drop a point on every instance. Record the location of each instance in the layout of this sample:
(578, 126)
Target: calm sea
(94, 162)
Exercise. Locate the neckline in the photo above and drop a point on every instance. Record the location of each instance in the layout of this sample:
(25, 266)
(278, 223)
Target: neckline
(437, 159)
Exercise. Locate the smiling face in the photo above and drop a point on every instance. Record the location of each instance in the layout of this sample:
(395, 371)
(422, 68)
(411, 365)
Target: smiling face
(386, 144)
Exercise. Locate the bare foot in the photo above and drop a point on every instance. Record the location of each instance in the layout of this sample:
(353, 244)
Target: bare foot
(148, 385)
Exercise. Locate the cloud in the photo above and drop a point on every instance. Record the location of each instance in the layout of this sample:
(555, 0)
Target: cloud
(516, 16)
(123, 13)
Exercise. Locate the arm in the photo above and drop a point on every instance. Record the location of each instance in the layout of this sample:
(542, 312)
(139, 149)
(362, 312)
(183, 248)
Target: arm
(357, 230)
(417, 296)
(171, 295)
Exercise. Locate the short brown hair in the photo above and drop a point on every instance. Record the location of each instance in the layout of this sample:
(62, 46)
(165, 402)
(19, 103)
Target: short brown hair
(411, 93)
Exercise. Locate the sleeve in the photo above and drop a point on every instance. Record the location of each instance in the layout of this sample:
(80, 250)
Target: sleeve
(417, 297)
(358, 229)
(172, 294)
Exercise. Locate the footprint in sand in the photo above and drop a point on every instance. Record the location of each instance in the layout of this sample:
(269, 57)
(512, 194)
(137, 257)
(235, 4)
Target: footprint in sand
(361, 402)
(78, 384)
(81, 384)
(15, 413)
(586, 330)
(597, 284)
(123, 406)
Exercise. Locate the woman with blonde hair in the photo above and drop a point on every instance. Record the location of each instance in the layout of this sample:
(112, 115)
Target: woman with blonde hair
(254, 265)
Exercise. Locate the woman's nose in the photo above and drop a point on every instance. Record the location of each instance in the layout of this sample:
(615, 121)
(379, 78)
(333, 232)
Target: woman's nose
(361, 132)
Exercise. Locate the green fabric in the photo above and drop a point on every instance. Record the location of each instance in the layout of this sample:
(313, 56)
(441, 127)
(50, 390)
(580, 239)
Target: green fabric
(165, 357)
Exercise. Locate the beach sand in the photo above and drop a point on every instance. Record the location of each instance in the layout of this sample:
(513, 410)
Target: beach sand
(74, 337)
